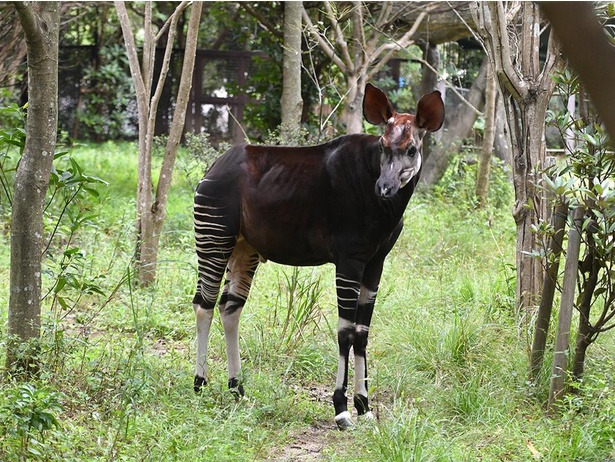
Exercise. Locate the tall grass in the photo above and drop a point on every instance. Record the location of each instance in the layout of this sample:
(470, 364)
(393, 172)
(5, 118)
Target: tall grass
(447, 357)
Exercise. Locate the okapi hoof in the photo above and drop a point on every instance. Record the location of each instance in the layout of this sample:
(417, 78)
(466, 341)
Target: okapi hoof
(199, 383)
(236, 388)
(343, 421)
(367, 418)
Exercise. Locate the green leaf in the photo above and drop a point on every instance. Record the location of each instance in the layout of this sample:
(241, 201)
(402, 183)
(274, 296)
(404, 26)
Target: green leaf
(62, 302)
(91, 191)
(590, 139)
(59, 284)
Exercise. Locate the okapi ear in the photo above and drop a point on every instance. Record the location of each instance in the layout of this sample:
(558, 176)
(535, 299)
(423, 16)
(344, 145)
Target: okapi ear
(376, 106)
(430, 112)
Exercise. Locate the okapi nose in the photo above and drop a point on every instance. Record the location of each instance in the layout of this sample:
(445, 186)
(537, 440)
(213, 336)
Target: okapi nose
(385, 189)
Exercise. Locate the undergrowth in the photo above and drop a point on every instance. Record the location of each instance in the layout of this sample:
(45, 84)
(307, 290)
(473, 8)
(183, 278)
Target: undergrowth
(448, 359)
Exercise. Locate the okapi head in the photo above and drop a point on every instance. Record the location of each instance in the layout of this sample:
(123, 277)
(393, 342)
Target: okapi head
(401, 143)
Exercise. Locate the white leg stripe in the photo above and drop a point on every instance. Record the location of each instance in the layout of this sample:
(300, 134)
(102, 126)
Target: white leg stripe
(203, 325)
(367, 296)
(360, 380)
(341, 373)
(231, 336)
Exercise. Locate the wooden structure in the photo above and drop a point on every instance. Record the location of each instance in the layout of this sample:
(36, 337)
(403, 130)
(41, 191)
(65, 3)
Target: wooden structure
(217, 100)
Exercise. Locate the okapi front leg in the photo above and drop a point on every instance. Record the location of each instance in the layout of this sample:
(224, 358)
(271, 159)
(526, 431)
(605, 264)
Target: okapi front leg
(348, 288)
(365, 309)
(345, 334)
(361, 402)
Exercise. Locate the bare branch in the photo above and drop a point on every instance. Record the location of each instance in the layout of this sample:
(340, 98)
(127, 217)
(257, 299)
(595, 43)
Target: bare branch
(530, 41)
(179, 115)
(492, 20)
(450, 86)
(339, 36)
(270, 26)
(27, 19)
(385, 13)
(131, 50)
(149, 50)
(181, 7)
(324, 45)
(394, 46)
(172, 26)
(359, 28)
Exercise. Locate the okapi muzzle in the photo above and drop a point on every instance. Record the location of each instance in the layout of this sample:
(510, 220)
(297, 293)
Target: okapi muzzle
(339, 202)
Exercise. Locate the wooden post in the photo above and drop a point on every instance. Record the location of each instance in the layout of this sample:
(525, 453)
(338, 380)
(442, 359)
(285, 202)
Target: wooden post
(562, 341)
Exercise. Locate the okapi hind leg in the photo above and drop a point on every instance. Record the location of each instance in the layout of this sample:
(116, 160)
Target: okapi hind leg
(203, 325)
(212, 262)
(215, 240)
(241, 268)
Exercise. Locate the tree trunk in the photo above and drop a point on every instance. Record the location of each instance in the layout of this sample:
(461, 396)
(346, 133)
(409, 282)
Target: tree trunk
(292, 103)
(458, 126)
(484, 163)
(562, 339)
(543, 317)
(41, 24)
(528, 150)
(584, 337)
(353, 110)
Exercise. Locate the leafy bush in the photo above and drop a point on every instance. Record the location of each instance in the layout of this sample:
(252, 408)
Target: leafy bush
(27, 416)
(198, 157)
(108, 104)
(12, 142)
(458, 183)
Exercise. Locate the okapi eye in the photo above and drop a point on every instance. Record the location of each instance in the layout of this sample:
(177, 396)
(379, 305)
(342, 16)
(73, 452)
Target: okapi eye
(412, 151)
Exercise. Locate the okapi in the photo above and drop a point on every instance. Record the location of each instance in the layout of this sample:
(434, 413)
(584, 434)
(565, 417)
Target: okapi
(340, 202)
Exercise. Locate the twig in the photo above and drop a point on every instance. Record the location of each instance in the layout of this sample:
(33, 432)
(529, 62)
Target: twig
(245, 135)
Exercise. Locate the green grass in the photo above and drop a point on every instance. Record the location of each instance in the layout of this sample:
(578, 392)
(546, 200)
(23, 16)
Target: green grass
(448, 357)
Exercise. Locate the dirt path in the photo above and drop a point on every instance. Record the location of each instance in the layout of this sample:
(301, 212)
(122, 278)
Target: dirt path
(307, 445)
(311, 444)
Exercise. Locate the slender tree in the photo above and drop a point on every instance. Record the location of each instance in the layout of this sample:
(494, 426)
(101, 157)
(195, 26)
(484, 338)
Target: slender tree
(292, 104)
(484, 162)
(151, 207)
(543, 315)
(41, 25)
